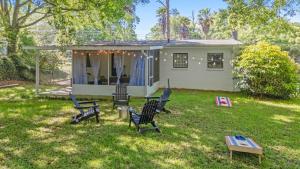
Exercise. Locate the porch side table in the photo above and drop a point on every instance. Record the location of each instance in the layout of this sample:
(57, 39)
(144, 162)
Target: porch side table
(247, 146)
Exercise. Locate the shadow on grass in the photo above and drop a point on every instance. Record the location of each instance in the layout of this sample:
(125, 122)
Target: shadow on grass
(37, 134)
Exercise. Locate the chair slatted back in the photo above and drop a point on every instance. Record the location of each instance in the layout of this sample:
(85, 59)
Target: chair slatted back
(148, 112)
(164, 98)
(75, 102)
(121, 92)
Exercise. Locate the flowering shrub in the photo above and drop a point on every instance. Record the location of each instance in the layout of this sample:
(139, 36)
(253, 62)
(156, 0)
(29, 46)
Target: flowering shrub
(265, 70)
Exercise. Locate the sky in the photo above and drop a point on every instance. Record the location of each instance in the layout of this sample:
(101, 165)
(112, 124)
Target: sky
(147, 12)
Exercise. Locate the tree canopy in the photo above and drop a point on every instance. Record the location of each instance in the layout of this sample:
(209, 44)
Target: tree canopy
(67, 16)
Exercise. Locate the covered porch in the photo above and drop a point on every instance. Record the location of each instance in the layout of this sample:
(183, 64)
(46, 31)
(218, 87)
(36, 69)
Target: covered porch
(96, 72)
(98, 68)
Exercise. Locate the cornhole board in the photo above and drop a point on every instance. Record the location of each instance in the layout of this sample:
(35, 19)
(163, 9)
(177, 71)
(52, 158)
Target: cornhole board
(247, 146)
(223, 101)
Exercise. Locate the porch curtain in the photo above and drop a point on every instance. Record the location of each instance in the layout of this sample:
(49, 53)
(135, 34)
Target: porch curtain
(79, 69)
(118, 63)
(137, 76)
(95, 63)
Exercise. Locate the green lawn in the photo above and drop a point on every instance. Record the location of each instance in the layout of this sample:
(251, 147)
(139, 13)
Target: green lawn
(35, 133)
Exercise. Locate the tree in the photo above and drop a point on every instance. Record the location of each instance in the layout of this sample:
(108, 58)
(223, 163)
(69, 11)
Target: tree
(161, 13)
(184, 27)
(220, 28)
(260, 13)
(64, 15)
(205, 18)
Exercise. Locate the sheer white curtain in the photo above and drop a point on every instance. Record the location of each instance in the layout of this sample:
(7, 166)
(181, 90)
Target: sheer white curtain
(95, 63)
(79, 69)
(118, 63)
(137, 75)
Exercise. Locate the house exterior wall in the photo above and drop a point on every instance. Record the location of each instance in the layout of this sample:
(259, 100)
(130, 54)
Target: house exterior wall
(152, 89)
(197, 76)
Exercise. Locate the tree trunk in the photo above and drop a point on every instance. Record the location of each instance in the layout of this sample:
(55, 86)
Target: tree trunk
(12, 39)
(235, 34)
(168, 20)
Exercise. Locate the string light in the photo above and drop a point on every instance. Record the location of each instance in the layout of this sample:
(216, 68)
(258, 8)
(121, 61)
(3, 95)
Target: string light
(165, 60)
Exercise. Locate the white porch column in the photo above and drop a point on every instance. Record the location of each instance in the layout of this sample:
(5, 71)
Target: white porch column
(146, 71)
(37, 72)
(108, 73)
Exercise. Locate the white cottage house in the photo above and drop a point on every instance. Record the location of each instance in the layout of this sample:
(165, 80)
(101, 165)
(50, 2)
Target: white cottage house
(146, 65)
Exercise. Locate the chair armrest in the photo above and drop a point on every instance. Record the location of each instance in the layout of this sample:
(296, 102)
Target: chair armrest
(132, 111)
(86, 107)
(151, 98)
(86, 102)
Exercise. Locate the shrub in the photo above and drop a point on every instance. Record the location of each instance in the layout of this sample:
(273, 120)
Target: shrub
(7, 69)
(24, 69)
(265, 70)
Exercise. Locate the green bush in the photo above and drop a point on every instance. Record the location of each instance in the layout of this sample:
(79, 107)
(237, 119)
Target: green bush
(24, 69)
(7, 69)
(265, 70)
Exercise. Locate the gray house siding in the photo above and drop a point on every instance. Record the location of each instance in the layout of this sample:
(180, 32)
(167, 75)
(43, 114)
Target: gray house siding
(197, 76)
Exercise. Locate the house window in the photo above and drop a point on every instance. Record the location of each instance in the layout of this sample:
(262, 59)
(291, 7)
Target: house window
(215, 60)
(180, 60)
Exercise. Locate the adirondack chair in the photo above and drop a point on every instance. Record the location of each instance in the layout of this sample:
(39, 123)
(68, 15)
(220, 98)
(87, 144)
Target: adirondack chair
(145, 117)
(120, 97)
(87, 110)
(163, 99)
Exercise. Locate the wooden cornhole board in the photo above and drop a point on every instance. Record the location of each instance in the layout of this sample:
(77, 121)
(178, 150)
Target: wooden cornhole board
(248, 146)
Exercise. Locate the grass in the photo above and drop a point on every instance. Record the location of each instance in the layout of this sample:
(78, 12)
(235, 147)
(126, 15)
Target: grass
(35, 133)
